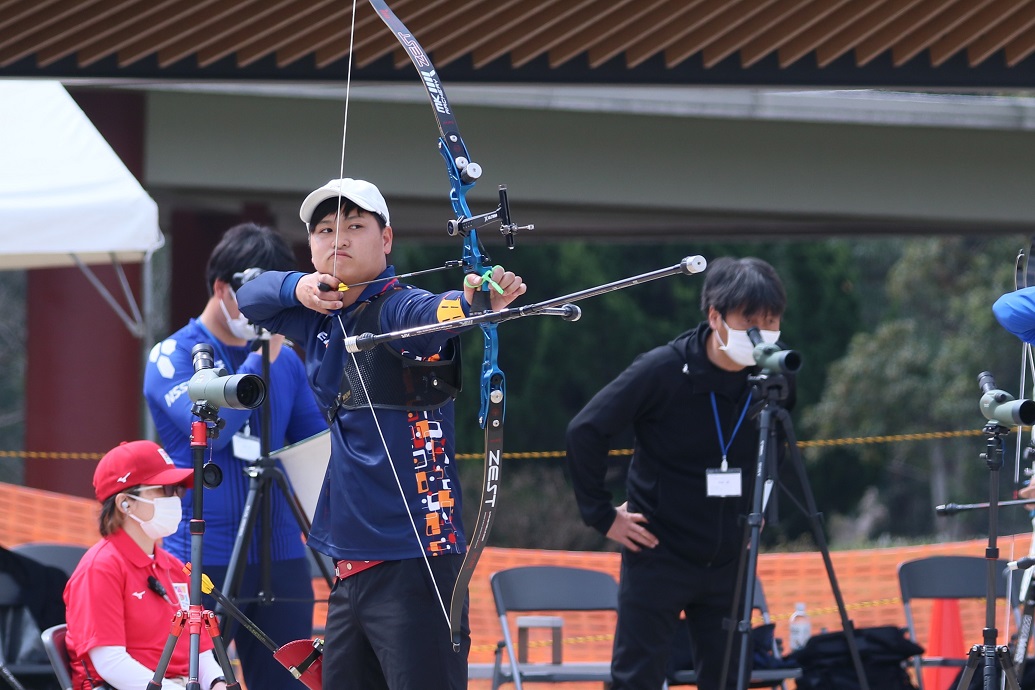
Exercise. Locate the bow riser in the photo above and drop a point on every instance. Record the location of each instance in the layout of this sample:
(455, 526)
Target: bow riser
(462, 175)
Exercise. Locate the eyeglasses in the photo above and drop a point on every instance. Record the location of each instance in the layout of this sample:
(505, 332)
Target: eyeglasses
(168, 490)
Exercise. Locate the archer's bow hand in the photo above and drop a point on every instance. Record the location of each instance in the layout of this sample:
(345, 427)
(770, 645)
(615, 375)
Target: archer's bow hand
(504, 287)
(311, 296)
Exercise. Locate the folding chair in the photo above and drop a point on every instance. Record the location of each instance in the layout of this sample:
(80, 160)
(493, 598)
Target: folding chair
(31, 582)
(548, 589)
(947, 577)
(63, 556)
(21, 652)
(54, 642)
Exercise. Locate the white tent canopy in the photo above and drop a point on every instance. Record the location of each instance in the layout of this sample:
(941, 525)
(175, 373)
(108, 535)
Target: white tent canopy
(66, 198)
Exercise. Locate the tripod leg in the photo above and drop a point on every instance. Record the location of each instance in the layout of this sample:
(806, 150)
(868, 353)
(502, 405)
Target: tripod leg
(968, 671)
(817, 531)
(731, 630)
(178, 624)
(239, 554)
(301, 518)
(242, 541)
(766, 456)
(9, 677)
(1003, 653)
(212, 626)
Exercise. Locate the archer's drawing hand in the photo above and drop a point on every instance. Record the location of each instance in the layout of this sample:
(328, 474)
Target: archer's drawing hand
(310, 296)
(505, 287)
(629, 531)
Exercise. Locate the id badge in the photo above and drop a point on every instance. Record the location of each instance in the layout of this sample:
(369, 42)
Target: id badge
(246, 447)
(722, 483)
(182, 592)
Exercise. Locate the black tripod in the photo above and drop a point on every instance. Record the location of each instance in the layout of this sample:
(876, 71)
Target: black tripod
(264, 473)
(989, 650)
(772, 390)
(196, 618)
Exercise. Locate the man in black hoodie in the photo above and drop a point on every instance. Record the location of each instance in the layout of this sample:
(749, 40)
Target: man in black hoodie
(690, 479)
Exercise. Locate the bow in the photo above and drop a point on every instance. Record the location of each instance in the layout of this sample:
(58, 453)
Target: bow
(1024, 276)
(463, 173)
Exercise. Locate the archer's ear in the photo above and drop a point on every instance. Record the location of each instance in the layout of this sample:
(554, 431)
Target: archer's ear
(387, 237)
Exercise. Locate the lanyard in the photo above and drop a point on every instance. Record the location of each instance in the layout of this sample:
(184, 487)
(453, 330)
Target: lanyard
(723, 446)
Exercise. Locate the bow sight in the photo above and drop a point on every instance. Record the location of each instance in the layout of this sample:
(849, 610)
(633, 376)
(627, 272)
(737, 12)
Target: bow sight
(462, 226)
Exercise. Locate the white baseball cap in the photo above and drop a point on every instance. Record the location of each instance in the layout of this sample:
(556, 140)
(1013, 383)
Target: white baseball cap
(359, 192)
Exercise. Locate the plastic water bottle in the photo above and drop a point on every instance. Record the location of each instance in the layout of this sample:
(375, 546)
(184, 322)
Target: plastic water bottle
(800, 627)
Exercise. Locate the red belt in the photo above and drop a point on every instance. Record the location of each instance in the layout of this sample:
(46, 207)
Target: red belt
(344, 569)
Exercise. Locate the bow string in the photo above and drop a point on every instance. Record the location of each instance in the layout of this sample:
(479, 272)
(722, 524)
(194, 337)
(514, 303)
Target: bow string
(462, 173)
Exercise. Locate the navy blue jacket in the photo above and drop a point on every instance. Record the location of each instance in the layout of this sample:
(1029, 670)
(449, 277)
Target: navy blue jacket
(361, 514)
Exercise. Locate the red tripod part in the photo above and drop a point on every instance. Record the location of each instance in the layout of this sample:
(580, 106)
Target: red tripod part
(302, 658)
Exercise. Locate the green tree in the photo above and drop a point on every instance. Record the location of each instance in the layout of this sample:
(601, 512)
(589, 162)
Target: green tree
(554, 367)
(916, 372)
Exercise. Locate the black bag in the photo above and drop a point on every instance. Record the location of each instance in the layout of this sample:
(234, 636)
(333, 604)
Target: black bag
(827, 665)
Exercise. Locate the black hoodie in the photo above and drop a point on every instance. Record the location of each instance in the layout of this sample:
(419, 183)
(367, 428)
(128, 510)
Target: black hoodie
(665, 396)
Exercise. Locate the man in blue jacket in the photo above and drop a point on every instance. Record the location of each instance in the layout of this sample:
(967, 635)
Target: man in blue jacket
(389, 512)
(293, 417)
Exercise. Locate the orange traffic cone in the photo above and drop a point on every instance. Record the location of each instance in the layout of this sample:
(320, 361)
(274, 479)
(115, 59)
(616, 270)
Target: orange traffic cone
(944, 638)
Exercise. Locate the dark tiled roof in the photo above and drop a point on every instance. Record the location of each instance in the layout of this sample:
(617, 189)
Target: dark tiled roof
(978, 43)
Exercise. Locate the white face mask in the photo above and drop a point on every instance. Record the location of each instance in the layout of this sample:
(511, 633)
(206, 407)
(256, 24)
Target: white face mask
(239, 327)
(166, 518)
(739, 347)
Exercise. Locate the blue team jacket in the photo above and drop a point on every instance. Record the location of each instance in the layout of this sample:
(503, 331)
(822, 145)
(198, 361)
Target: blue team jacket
(361, 514)
(294, 416)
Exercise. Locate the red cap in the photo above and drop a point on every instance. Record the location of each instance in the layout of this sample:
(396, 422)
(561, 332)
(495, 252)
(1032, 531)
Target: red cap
(133, 463)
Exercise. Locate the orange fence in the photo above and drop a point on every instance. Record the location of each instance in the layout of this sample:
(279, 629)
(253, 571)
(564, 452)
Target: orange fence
(867, 578)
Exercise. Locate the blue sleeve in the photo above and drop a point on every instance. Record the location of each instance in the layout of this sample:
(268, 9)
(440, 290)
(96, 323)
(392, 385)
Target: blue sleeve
(306, 419)
(1015, 311)
(418, 308)
(269, 301)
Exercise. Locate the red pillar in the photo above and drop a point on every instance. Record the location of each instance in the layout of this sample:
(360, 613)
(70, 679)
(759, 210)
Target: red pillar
(83, 377)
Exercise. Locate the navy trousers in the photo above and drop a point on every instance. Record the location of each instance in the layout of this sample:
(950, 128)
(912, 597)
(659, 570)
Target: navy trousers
(386, 629)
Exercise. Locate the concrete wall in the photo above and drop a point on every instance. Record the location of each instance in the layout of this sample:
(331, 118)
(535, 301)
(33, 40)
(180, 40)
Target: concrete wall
(599, 171)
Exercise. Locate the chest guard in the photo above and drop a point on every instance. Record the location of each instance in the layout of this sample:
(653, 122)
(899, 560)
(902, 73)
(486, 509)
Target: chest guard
(393, 381)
